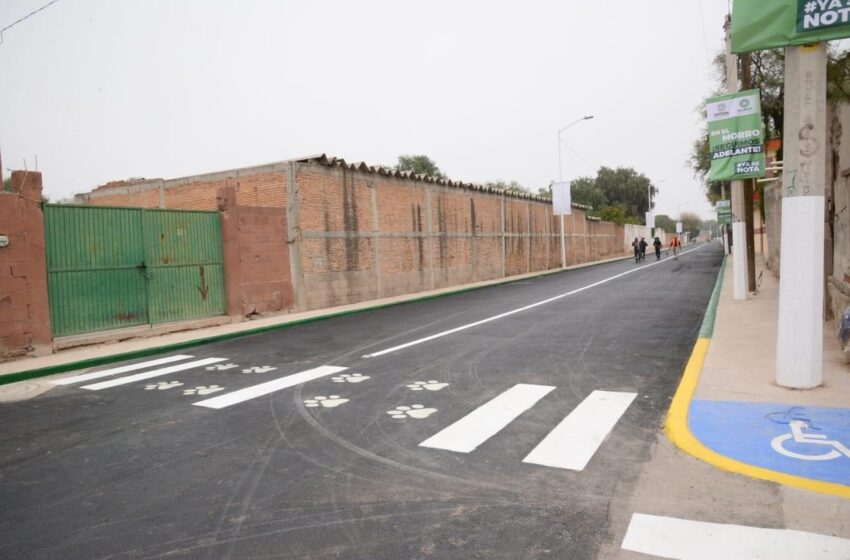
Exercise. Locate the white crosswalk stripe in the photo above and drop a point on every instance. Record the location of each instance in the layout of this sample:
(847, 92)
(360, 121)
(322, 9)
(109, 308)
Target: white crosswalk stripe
(151, 374)
(576, 439)
(487, 420)
(683, 539)
(120, 369)
(268, 387)
(570, 445)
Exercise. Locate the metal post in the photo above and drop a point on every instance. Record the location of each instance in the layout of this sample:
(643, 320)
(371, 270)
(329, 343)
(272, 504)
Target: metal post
(560, 180)
(799, 340)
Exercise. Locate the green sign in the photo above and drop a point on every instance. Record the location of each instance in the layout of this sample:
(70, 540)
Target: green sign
(768, 24)
(724, 212)
(735, 137)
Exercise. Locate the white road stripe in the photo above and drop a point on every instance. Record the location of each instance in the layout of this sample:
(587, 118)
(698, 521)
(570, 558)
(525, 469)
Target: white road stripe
(255, 391)
(519, 310)
(576, 439)
(150, 374)
(682, 539)
(120, 369)
(487, 420)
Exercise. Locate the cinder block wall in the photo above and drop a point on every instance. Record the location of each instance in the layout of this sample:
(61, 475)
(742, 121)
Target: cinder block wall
(24, 307)
(356, 233)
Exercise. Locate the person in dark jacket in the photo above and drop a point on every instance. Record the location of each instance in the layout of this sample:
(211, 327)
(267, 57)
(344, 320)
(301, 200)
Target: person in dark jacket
(636, 247)
(657, 245)
(643, 246)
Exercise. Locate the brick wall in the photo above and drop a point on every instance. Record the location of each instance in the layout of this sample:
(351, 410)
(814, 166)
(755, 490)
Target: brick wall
(256, 255)
(355, 233)
(24, 308)
(366, 234)
(262, 186)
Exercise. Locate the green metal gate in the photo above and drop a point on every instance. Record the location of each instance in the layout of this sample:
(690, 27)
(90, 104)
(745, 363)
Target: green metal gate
(110, 268)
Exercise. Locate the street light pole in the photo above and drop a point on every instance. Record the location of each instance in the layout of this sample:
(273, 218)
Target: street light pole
(560, 180)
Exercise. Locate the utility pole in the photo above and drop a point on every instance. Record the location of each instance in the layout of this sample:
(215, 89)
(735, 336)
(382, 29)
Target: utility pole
(749, 188)
(724, 226)
(739, 228)
(799, 340)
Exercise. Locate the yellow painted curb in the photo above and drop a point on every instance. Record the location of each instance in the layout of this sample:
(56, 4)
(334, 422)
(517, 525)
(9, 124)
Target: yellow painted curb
(679, 432)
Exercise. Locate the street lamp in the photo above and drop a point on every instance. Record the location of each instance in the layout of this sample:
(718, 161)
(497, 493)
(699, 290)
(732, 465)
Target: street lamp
(560, 180)
(585, 118)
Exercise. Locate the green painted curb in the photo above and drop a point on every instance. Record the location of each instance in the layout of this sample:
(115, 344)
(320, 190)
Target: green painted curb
(71, 366)
(707, 328)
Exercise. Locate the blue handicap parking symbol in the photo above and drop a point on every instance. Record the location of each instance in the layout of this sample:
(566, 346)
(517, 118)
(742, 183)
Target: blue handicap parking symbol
(808, 441)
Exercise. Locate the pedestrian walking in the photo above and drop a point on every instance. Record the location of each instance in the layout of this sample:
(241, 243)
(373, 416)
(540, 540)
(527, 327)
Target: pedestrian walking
(657, 245)
(636, 247)
(643, 246)
(676, 245)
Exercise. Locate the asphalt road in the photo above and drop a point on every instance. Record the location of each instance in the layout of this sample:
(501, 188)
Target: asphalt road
(333, 467)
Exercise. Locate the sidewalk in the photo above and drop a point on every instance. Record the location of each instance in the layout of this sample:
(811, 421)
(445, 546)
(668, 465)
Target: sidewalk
(748, 424)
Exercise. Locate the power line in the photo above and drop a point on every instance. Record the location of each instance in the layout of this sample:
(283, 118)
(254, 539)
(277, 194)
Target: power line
(29, 15)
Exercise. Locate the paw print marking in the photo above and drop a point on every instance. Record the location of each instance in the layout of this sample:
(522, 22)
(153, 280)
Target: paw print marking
(203, 390)
(163, 385)
(432, 385)
(328, 402)
(353, 378)
(417, 411)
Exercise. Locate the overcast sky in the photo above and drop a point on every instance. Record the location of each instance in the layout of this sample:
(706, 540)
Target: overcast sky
(105, 90)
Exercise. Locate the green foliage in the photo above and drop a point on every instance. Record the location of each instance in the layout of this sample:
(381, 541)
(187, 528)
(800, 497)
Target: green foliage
(7, 185)
(419, 164)
(616, 195)
(666, 223)
(691, 223)
(584, 191)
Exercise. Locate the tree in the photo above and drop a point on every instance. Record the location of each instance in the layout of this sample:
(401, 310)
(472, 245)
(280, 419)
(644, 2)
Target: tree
(419, 164)
(584, 191)
(626, 186)
(7, 185)
(691, 223)
(666, 223)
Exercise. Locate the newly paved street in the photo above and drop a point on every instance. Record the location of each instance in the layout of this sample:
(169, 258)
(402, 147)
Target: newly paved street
(216, 452)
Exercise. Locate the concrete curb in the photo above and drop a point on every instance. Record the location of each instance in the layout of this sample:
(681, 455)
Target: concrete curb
(678, 430)
(121, 356)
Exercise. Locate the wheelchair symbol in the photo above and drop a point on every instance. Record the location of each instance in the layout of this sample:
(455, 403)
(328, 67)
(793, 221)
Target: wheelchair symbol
(797, 426)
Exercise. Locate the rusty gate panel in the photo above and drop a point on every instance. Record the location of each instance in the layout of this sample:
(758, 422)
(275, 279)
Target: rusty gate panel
(111, 268)
(93, 278)
(184, 264)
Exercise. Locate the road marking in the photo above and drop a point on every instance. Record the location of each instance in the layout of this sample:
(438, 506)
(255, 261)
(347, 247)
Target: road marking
(682, 539)
(255, 391)
(487, 420)
(576, 439)
(150, 374)
(121, 369)
(519, 310)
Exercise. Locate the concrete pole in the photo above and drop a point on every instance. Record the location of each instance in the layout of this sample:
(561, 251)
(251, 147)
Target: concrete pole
(724, 226)
(739, 227)
(799, 340)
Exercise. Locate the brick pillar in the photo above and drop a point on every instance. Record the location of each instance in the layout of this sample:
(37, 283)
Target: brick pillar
(24, 304)
(229, 213)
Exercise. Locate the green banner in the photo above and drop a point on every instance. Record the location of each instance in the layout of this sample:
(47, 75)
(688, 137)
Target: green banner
(735, 137)
(724, 212)
(768, 24)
